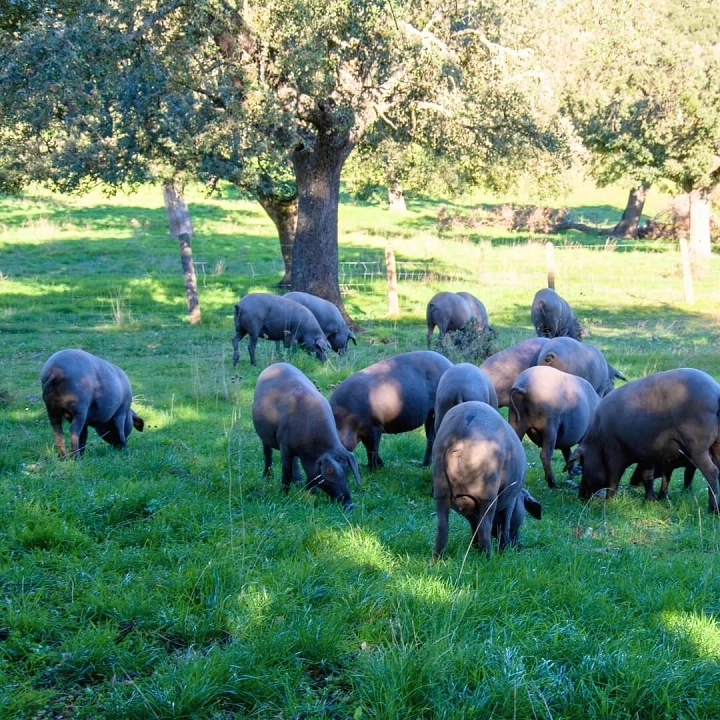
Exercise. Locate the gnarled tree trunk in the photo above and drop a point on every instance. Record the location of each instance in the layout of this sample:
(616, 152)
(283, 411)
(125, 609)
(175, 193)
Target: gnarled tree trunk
(630, 220)
(181, 227)
(283, 212)
(317, 174)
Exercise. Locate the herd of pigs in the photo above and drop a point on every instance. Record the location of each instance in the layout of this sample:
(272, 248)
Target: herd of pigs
(559, 391)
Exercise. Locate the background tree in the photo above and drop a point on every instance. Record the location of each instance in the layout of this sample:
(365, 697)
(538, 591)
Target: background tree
(644, 94)
(134, 92)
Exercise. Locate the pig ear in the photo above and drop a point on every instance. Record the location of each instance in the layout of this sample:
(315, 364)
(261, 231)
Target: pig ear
(352, 337)
(137, 421)
(532, 505)
(354, 466)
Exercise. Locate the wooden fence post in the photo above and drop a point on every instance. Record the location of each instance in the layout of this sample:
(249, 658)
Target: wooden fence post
(687, 271)
(550, 263)
(393, 305)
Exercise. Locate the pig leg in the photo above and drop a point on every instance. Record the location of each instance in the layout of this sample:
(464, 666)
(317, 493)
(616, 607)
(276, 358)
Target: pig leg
(267, 456)
(56, 420)
(710, 471)
(288, 468)
(372, 445)
(480, 514)
(667, 472)
(442, 507)
(546, 454)
(252, 344)
(688, 477)
(239, 335)
(430, 435)
(78, 436)
(431, 327)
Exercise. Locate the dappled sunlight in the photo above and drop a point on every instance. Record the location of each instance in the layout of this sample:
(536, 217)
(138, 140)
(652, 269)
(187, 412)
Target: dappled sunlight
(31, 288)
(364, 548)
(698, 629)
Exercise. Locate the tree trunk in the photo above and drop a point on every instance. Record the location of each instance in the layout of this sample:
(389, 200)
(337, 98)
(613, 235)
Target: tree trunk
(317, 174)
(396, 196)
(700, 223)
(283, 212)
(630, 220)
(181, 228)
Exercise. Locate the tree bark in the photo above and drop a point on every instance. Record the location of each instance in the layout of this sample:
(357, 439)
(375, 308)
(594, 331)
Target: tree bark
(630, 220)
(317, 173)
(396, 196)
(700, 223)
(283, 212)
(181, 228)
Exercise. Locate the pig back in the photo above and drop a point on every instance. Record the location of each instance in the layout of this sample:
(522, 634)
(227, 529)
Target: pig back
(479, 455)
(504, 366)
(396, 394)
(285, 397)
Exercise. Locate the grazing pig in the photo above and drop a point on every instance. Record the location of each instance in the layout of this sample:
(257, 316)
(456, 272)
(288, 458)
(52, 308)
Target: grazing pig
(582, 359)
(554, 408)
(646, 474)
(89, 392)
(479, 470)
(503, 367)
(552, 317)
(329, 318)
(478, 310)
(393, 396)
(451, 311)
(460, 383)
(290, 415)
(276, 318)
(658, 419)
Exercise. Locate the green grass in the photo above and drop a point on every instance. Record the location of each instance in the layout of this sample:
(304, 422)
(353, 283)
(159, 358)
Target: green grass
(172, 581)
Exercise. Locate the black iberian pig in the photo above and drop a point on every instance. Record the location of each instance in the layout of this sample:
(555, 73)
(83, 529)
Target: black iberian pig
(479, 470)
(393, 396)
(503, 367)
(582, 359)
(290, 415)
(554, 408)
(89, 392)
(552, 316)
(460, 383)
(450, 311)
(276, 318)
(658, 419)
(329, 318)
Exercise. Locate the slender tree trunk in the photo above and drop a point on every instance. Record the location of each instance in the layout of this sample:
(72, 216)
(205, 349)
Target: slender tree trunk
(283, 212)
(630, 220)
(700, 223)
(317, 174)
(181, 228)
(396, 196)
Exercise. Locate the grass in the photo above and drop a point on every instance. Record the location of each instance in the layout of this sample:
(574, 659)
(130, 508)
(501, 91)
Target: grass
(172, 581)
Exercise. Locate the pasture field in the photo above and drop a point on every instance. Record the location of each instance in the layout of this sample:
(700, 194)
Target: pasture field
(172, 581)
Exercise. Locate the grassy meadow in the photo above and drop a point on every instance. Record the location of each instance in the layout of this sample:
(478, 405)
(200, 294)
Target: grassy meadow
(172, 581)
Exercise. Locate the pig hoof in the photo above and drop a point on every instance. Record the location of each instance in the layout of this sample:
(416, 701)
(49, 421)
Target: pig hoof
(348, 506)
(576, 470)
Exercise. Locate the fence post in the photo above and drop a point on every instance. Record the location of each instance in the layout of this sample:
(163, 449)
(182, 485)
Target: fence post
(550, 263)
(393, 305)
(687, 271)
